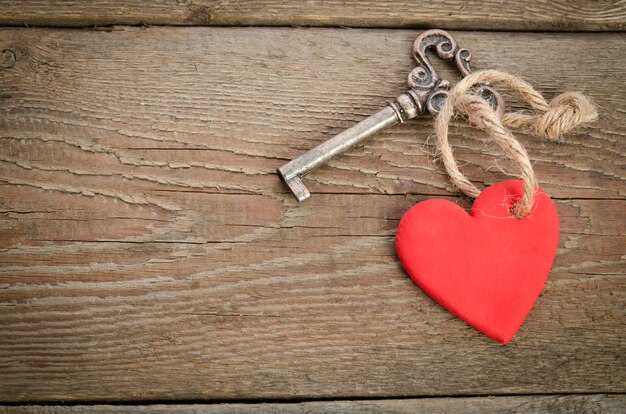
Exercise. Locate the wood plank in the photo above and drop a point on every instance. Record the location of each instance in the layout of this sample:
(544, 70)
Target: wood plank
(150, 252)
(594, 403)
(554, 15)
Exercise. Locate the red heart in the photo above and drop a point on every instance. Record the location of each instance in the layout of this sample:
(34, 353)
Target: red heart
(487, 267)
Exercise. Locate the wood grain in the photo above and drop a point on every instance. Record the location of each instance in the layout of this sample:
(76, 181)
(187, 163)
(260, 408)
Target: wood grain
(554, 15)
(595, 403)
(149, 251)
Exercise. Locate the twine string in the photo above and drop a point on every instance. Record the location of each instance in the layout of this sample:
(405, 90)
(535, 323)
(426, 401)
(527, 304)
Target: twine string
(550, 120)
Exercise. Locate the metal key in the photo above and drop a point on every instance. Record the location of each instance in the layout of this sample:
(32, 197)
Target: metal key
(426, 94)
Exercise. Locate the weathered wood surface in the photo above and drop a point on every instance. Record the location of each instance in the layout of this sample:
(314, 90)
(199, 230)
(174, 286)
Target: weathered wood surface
(150, 252)
(560, 15)
(594, 403)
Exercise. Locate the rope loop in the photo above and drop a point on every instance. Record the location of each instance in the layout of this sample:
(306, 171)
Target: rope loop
(551, 120)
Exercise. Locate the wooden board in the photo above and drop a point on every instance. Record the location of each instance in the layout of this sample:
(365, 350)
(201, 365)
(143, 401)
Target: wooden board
(150, 252)
(558, 15)
(594, 403)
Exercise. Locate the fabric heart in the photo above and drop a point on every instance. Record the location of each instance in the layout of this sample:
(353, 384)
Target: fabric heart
(488, 266)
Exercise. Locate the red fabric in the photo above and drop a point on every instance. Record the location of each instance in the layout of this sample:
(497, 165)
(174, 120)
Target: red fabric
(487, 267)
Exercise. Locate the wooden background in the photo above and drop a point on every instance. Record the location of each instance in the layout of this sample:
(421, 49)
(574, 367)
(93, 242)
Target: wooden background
(152, 261)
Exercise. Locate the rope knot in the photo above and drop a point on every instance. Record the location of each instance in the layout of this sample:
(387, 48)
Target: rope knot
(565, 113)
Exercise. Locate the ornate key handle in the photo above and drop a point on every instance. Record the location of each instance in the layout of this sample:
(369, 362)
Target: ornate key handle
(428, 90)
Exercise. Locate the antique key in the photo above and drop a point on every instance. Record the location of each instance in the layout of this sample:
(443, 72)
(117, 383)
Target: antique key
(427, 93)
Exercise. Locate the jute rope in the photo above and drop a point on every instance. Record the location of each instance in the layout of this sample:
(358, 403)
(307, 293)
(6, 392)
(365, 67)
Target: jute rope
(564, 113)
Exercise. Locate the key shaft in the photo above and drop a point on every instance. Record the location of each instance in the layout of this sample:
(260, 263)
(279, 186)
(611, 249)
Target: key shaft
(307, 162)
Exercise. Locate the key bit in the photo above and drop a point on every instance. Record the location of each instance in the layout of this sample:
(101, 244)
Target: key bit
(426, 94)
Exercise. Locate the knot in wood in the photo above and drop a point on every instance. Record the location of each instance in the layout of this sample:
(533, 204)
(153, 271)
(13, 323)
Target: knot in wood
(7, 59)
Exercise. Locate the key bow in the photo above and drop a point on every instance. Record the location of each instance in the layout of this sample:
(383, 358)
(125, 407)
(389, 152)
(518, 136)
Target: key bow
(427, 90)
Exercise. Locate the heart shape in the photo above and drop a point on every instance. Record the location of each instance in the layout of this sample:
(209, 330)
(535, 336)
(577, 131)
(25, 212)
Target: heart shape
(488, 266)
